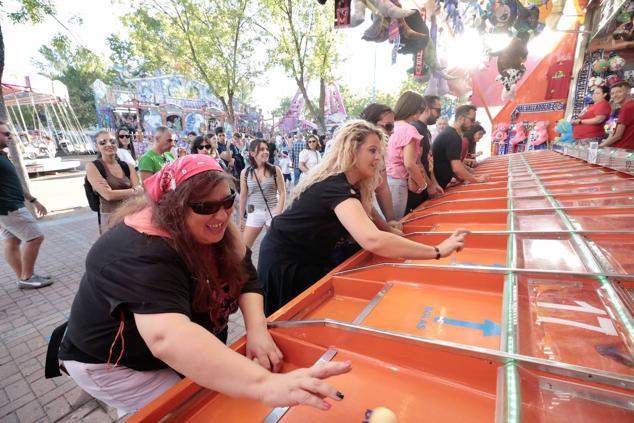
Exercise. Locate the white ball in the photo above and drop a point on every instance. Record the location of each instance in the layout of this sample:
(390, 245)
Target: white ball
(383, 415)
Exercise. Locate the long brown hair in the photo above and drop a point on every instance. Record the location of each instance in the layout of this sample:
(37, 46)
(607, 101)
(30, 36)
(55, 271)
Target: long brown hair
(212, 267)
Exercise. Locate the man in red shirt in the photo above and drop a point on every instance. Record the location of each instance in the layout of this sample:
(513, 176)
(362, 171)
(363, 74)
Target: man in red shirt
(623, 135)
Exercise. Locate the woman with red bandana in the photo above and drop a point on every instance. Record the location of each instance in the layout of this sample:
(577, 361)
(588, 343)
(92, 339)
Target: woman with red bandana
(156, 297)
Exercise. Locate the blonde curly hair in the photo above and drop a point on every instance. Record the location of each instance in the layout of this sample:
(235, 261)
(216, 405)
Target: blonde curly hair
(343, 157)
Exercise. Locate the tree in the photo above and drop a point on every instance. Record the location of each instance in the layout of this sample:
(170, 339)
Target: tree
(211, 40)
(31, 11)
(281, 110)
(305, 46)
(77, 68)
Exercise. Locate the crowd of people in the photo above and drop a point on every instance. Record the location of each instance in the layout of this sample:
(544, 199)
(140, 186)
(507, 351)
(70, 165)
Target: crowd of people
(174, 258)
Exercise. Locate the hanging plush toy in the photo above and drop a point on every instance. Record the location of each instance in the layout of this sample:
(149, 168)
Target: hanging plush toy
(539, 134)
(519, 134)
(512, 58)
(504, 14)
(600, 66)
(565, 130)
(595, 81)
(613, 79)
(616, 63)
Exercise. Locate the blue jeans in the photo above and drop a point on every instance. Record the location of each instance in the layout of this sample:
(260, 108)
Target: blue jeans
(296, 175)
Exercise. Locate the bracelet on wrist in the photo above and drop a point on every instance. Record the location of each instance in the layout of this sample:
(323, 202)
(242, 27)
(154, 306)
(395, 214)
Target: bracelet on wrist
(437, 253)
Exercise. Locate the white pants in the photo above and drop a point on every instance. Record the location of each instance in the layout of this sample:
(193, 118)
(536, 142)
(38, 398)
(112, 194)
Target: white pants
(121, 387)
(398, 188)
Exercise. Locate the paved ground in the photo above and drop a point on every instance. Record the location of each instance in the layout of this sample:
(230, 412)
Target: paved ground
(27, 318)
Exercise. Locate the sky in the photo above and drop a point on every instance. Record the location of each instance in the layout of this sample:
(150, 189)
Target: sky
(101, 18)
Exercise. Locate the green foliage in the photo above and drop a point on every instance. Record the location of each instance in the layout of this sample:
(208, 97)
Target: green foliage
(281, 110)
(305, 44)
(33, 11)
(210, 40)
(78, 68)
(355, 103)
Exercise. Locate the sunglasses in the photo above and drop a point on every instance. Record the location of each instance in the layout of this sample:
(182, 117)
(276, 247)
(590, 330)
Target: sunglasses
(124, 135)
(6, 134)
(212, 207)
(388, 126)
(206, 147)
(112, 141)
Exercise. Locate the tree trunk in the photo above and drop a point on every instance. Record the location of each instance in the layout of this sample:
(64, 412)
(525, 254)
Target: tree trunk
(311, 107)
(322, 105)
(227, 106)
(232, 113)
(16, 154)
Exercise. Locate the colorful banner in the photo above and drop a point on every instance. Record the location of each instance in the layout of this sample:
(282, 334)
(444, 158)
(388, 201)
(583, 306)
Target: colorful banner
(542, 107)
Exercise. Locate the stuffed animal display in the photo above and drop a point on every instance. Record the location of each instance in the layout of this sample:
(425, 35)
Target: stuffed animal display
(539, 134)
(565, 130)
(519, 134)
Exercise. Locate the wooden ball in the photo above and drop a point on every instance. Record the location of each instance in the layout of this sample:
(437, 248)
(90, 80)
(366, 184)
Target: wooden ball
(382, 415)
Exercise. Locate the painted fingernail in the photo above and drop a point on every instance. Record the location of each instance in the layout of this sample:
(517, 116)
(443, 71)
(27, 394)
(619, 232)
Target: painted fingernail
(339, 395)
(347, 362)
(327, 406)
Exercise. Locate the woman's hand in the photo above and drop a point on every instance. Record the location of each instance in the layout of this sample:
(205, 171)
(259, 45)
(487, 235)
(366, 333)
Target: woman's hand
(434, 190)
(454, 243)
(262, 349)
(304, 386)
(396, 225)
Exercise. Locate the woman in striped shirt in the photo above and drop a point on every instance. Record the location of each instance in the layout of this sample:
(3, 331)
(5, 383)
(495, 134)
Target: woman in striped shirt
(262, 192)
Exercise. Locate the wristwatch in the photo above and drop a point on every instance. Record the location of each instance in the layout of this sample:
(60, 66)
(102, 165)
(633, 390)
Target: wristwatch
(33, 200)
(437, 253)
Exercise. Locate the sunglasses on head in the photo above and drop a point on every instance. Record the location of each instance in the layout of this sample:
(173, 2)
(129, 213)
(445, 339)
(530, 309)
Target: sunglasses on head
(205, 146)
(388, 126)
(124, 135)
(112, 141)
(212, 207)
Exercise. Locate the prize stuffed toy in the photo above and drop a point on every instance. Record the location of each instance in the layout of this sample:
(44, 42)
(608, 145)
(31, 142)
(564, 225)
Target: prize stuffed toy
(600, 66)
(539, 134)
(519, 134)
(616, 63)
(565, 129)
(500, 133)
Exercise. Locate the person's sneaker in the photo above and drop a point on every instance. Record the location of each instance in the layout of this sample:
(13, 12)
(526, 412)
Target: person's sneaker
(42, 276)
(34, 282)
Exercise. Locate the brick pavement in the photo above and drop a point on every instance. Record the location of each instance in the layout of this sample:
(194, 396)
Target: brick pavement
(27, 318)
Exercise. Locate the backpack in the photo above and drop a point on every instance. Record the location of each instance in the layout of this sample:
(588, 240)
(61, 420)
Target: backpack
(93, 198)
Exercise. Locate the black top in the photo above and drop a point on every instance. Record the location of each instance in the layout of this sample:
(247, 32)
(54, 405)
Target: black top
(309, 229)
(425, 143)
(272, 149)
(447, 147)
(130, 272)
(11, 193)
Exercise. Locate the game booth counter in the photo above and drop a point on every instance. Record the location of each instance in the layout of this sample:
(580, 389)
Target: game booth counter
(531, 322)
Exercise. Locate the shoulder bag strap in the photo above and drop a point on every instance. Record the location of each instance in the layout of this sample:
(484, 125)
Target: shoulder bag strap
(262, 191)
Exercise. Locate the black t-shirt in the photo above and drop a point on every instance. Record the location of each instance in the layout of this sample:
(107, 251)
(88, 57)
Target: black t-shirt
(129, 272)
(309, 229)
(11, 194)
(425, 143)
(272, 149)
(447, 147)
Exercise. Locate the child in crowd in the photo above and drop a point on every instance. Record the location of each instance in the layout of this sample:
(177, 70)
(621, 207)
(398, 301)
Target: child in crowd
(285, 165)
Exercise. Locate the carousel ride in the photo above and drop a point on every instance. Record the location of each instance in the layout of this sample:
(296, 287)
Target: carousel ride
(42, 119)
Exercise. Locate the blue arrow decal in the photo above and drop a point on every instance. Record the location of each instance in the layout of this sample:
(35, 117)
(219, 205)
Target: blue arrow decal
(488, 328)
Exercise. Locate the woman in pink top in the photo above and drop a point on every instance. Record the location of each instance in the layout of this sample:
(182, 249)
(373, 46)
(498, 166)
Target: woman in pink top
(404, 151)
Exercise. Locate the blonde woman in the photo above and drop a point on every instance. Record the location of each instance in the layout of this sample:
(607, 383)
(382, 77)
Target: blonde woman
(330, 202)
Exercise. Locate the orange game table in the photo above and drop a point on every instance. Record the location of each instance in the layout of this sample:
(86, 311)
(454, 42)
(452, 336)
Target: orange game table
(531, 322)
